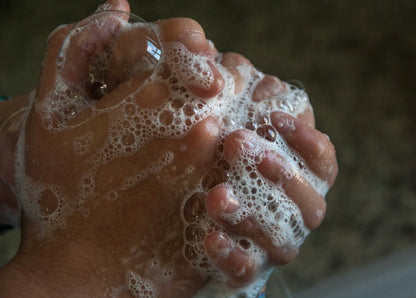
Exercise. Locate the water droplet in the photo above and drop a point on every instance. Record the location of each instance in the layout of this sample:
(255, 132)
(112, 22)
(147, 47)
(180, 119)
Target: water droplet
(268, 132)
(251, 125)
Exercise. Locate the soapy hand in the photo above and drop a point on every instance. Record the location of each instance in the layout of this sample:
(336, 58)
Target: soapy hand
(116, 139)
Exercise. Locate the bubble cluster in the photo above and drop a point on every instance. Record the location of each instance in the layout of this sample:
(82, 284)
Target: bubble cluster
(260, 199)
(47, 203)
(81, 144)
(163, 161)
(134, 121)
(139, 287)
(198, 72)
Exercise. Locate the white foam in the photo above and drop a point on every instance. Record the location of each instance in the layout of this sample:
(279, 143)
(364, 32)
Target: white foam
(140, 287)
(81, 144)
(156, 167)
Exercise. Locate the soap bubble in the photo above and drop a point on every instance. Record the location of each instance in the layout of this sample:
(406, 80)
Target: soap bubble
(98, 55)
(104, 59)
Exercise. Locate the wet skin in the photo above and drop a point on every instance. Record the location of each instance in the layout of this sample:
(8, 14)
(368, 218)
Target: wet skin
(141, 217)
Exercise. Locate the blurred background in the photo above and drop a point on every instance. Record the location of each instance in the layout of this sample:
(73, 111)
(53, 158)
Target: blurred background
(357, 59)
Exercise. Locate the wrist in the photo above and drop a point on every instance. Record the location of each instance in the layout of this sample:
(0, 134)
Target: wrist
(9, 133)
(47, 269)
(11, 116)
(9, 105)
(17, 281)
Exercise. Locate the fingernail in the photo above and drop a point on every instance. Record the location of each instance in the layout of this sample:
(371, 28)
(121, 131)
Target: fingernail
(231, 204)
(223, 245)
(248, 145)
(247, 141)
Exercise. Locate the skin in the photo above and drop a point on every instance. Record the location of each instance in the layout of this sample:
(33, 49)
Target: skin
(77, 259)
(8, 138)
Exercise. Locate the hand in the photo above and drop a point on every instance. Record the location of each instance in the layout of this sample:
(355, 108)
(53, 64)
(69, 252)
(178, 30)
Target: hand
(121, 201)
(318, 154)
(313, 156)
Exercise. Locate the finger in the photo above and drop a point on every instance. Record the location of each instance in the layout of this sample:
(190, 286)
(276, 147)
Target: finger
(307, 117)
(276, 169)
(49, 71)
(186, 31)
(233, 61)
(268, 88)
(240, 267)
(311, 203)
(278, 255)
(192, 36)
(201, 143)
(220, 201)
(315, 147)
(271, 86)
